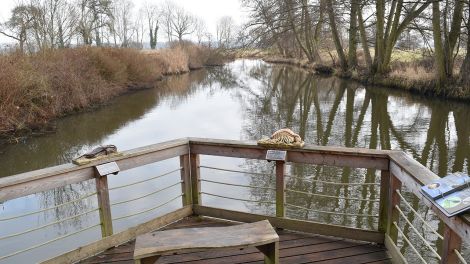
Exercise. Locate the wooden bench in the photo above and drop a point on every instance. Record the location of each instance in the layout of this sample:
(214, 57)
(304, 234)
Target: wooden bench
(149, 247)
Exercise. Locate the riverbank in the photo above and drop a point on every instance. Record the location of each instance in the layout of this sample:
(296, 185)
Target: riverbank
(415, 76)
(37, 88)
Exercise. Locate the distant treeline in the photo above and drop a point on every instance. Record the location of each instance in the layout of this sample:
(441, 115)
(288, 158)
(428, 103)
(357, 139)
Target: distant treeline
(51, 24)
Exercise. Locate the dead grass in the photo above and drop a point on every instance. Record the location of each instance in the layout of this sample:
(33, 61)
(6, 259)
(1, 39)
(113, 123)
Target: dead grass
(409, 70)
(172, 61)
(37, 88)
(414, 70)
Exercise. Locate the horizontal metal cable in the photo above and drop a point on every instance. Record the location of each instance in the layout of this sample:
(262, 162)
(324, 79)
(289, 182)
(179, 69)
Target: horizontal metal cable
(148, 210)
(310, 179)
(289, 176)
(330, 196)
(328, 212)
(149, 179)
(460, 257)
(238, 185)
(146, 195)
(47, 209)
(418, 215)
(409, 243)
(49, 224)
(417, 232)
(237, 199)
(48, 242)
(238, 171)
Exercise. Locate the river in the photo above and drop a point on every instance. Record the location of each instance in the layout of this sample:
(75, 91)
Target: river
(245, 100)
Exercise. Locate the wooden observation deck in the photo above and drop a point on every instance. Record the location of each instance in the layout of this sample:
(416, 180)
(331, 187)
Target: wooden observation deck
(301, 240)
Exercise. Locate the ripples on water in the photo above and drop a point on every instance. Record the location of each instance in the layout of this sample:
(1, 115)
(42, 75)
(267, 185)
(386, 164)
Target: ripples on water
(244, 100)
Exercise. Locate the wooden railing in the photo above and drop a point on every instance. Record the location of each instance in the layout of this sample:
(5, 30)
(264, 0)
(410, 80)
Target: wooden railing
(398, 172)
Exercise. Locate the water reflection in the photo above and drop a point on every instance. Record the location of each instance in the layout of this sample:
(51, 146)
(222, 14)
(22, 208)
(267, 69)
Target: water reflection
(78, 133)
(331, 111)
(119, 123)
(246, 100)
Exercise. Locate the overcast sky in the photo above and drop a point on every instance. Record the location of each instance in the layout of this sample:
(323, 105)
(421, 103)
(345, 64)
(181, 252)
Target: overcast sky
(208, 10)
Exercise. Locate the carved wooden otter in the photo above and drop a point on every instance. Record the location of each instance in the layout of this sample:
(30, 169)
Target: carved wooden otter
(283, 138)
(286, 136)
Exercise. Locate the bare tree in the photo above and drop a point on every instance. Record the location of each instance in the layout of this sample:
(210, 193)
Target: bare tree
(445, 39)
(18, 24)
(200, 30)
(123, 24)
(209, 39)
(139, 28)
(390, 27)
(66, 20)
(167, 17)
(465, 69)
(182, 23)
(336, 37)
(93, 16)
(226, 31)
(153, 22)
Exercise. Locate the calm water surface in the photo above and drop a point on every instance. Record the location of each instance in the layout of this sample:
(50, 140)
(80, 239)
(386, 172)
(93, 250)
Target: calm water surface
(244, 100)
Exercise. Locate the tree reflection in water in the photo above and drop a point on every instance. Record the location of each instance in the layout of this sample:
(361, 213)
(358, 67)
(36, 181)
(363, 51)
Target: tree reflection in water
(331, 111)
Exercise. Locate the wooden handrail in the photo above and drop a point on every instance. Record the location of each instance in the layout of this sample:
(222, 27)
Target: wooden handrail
(45, 179)
(311, 154)
(397, 170)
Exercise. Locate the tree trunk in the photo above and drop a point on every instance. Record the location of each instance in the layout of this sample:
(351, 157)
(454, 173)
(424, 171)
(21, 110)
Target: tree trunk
(352, 49)
(379, 41)
(309, 41)
(155, 34)
(391, 34)
(318, 28)
(453, 37)
(365, 46)
(97, 37)
(293, 24)
(152, 42)
(334, 31)
(61, 37)
(438, 48)
(465, 69)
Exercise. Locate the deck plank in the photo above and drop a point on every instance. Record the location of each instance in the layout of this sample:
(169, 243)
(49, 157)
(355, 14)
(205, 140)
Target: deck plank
(295, 247)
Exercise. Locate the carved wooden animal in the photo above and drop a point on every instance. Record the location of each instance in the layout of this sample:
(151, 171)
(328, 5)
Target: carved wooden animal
(286, 136)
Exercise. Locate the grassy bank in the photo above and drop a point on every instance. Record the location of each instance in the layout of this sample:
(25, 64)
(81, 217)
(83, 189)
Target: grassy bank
(409, 71)
(34, 89)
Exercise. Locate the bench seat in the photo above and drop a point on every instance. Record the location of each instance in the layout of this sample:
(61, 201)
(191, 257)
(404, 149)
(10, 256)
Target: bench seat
(149, 247)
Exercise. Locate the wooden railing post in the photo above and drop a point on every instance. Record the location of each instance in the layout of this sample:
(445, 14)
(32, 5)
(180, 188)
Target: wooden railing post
(384, 195)
(451, 241)
(280, 189)
(393, 214)
(186, 179)
(104, 205)
(195, 179)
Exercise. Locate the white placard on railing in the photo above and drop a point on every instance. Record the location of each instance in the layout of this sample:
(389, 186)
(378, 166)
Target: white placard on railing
(107, 168)
(276, 155)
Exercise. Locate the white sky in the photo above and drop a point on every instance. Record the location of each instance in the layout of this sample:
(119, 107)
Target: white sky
(209, 10)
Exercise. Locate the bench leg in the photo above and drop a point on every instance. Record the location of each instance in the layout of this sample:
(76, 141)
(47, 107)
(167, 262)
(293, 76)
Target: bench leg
(148, 260)
(271, 253)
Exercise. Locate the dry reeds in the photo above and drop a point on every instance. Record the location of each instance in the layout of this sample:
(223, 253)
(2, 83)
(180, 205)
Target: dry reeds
(37, 88)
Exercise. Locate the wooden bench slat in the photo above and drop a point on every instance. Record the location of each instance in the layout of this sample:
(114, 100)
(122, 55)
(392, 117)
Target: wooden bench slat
(180, 240)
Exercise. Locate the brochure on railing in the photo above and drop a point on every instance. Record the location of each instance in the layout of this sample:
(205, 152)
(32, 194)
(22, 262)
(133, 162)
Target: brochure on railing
(450, 193)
